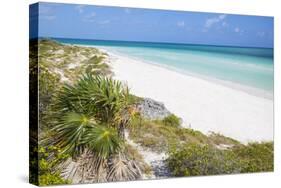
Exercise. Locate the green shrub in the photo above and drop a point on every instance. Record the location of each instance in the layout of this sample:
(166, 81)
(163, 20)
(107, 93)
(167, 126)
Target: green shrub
(51, 179)
(256, 157)
(194, 159)
(49, 158)
(172, 120)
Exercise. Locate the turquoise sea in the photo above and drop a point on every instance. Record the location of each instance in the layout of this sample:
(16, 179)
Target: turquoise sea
(245, 66)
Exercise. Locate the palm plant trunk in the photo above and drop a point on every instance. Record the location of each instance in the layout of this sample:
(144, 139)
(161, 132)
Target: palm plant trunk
(121, 129)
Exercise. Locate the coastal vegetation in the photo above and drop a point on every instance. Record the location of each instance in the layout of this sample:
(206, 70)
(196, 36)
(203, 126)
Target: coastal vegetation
(172, 120)
(91, 128)
(195, 159)
(49, 160)
(89, 120)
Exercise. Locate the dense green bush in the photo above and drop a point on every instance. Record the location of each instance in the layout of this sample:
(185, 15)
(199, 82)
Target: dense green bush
(194, 159)
(49, 158)
(256, 157)
(51, 179)
(172, 120)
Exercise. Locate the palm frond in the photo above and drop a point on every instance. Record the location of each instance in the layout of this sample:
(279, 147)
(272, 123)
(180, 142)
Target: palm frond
(102, 140)
(70, 131)
(94, 95)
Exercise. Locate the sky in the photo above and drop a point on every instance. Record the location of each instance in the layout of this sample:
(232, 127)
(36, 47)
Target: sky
(149, 25)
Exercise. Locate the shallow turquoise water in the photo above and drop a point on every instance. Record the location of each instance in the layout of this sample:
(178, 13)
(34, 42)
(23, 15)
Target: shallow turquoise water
(247, 66)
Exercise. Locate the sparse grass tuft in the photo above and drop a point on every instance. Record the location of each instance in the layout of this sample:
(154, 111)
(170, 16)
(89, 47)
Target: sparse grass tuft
(218, 139)
(159, 136)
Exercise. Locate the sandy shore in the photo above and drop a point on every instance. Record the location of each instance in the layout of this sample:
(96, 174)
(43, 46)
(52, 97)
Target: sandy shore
(203, 105)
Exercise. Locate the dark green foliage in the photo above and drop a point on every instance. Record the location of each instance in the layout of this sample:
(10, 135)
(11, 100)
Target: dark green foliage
(172, 120)
(194, 159)
(103, 140)
(51, 179)
(70, 130)
(102, 97)
(49, 158)
(256, 157)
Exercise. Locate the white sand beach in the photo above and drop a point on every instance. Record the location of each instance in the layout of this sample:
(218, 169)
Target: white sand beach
(203, 105)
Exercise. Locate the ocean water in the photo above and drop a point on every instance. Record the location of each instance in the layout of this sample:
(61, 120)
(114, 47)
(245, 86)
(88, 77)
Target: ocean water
(249, 67)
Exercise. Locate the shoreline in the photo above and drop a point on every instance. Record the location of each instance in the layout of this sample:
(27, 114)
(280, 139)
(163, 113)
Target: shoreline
(202, 105)
(236, 86)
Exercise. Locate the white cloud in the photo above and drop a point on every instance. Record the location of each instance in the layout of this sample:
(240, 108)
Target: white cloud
(80, 8)
(215, 20)
(90, 17)
(236, 29)
(180, 23)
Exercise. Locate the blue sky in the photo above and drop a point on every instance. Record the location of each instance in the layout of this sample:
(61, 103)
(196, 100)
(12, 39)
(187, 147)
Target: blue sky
(131, 24)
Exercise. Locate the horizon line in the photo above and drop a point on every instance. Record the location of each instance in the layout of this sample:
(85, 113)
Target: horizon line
(168, 43)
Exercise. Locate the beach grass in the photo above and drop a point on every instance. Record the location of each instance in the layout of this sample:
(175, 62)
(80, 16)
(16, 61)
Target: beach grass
(159, 136)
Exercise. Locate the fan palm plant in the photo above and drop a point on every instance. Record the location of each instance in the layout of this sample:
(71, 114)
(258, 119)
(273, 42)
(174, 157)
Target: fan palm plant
(90, 120)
